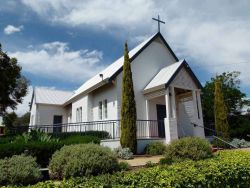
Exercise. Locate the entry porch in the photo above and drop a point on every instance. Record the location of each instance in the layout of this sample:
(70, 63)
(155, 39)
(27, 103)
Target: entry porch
(177, 111)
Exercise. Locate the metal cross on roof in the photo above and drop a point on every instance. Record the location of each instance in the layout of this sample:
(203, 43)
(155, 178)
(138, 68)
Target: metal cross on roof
(159, 22)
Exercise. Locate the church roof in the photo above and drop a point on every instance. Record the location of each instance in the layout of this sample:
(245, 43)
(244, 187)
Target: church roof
(115, 68)
(50, 96)
(164, 77)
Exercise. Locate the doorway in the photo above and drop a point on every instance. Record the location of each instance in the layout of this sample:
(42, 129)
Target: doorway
(184, 112)
(161, 115)
(57, 124)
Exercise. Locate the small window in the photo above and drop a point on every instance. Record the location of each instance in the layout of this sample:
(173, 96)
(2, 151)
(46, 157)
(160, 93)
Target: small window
(106, 108)
(77, 114)
(100, 110)
(80, 114)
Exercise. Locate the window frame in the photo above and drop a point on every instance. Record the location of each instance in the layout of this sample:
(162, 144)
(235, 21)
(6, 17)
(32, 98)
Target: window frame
(100, 116)
(105, 105)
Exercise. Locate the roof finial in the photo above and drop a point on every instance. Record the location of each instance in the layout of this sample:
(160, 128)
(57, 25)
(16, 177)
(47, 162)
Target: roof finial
(159, 22)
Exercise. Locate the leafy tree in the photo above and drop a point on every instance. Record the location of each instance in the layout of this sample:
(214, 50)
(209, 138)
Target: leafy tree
(24, 120)
(233, 97)
(11, 120)
(13, 85)
(128, 110)
(220, 112)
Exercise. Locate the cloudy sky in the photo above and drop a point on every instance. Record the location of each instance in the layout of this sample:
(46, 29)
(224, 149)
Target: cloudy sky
(61, 43)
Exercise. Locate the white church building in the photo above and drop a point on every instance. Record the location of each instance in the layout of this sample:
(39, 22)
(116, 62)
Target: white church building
(167, 95)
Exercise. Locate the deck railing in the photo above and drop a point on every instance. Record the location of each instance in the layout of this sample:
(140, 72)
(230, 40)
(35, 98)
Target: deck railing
(145, 128)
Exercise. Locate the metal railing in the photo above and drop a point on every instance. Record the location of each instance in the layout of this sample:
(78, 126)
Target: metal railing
(217, 136)
(145, 128)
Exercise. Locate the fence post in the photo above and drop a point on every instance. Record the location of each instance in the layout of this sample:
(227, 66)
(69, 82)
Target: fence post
(113, 130)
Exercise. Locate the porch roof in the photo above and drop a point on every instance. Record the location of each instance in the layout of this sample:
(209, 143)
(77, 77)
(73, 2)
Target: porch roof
(164, 77)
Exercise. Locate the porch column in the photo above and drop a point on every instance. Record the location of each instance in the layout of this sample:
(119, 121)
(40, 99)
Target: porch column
(201, 123)
(196, 112)
(147, 118)
(198, 119)
(171, 132)
(173, 102)
(199, 105)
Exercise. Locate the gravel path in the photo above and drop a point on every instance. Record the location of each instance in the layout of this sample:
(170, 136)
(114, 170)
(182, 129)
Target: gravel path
(142, 160)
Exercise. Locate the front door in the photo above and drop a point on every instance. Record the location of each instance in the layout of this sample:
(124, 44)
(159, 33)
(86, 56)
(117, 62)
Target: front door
(161, 114)
(57, 124)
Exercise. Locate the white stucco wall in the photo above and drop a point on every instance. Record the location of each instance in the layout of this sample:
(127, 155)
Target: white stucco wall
(33, 118)
(141, 143)
(46, 113)
(105, 93)
(144, 68)
(80, 102)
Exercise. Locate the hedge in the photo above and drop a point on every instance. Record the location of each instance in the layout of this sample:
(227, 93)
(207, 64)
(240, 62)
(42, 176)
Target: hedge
(82, 160)
(19, 169)
(193, 148)
(42, 150)
(98, 134)
(155, 148)
(226, 169)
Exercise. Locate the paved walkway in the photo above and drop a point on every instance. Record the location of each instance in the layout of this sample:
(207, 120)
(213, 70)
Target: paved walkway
(142, 160)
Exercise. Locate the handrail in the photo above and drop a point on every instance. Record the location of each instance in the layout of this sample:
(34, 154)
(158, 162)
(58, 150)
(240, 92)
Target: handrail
(216, 132)
(224, 141)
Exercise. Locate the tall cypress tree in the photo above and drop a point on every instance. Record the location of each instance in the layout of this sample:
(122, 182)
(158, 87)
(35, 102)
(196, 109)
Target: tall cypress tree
(220, 112)
(128, 110)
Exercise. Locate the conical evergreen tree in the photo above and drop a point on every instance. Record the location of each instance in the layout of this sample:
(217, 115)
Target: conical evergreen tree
(128, 109)
(220, 112)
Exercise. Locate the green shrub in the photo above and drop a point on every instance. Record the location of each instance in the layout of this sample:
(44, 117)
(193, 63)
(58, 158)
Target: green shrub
(79, 139)
(155, 148)
(220, 144)
(123, 153)
(82, 160)
(35, 135)
(19, 169)
(227, 169)
(123, 166)
(6, 139)
(150, 164)
(193, 148)
(43, 151)
(98, 134)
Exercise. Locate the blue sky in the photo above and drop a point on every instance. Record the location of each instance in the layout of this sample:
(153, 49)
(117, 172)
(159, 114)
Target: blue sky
(60, 44)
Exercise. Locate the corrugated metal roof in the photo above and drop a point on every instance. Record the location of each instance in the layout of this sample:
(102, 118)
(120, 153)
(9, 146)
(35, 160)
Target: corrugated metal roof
(109, 71)
(163, 76)
(51, 96)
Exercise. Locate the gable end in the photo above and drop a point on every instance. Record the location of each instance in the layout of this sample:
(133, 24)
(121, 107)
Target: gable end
(145, 46)
(185, 65)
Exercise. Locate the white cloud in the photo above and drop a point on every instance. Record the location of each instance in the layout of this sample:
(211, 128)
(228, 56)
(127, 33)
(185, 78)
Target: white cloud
(10, 29)
(210, 33)
(94, 12)
(56, 61)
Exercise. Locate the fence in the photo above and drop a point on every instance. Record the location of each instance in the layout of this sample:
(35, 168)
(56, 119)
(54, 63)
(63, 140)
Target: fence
(145, 128)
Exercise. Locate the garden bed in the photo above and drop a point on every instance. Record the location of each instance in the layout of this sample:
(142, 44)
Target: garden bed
(229, 168)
